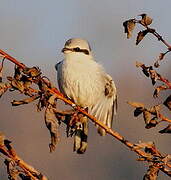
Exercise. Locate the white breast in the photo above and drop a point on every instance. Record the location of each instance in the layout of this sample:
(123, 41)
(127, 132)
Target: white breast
(82, 80)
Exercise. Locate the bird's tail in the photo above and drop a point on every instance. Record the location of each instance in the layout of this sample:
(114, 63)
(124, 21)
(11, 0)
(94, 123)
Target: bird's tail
(104, 111)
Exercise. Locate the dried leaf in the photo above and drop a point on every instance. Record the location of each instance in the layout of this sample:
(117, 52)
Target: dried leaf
(139, 64)
(166, 130)
(16, 84)
(52, 99)
(52, 125)
(153, 75)
(18, 72)
(152, 173)
(136, 104)
(156, 64)
(25, 101)
(138, 111)
(140, 36)
(3, 88)
(167, 102)
(145, 70)
(80, 138)
(32, 72)
(158, 89)
(146, 20)
(147, 116)
(155, 110)
(129, 27)
(2, 138)
(12, 170)
(161, 56)
(151, 124)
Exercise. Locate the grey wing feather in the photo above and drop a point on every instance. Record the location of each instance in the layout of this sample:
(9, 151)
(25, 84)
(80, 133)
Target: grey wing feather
(106, 107)
(58, 68)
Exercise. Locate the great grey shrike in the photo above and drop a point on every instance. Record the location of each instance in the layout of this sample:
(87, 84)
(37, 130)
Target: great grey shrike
(86, 83)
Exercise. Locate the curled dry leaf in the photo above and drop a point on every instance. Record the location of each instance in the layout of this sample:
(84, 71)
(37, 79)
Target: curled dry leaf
(153, 75)
(25, 101)
(167, 162)
(129, 27)
(139, 64)
(32, 72)
(153, 122)
(136, 104)
(155, 110)
(146, 20)
(138, 111)
(16, 84)
(152, 173)
(158, 89)
(12, 170)
(147, 116)
(167, 102)
(52, 125)
(3, 88)
(145, 69)
(166, 130)
(140, 36)
(2, 138)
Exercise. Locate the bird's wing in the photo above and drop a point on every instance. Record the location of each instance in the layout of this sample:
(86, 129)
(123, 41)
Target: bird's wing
(58, 68)
(106, 106)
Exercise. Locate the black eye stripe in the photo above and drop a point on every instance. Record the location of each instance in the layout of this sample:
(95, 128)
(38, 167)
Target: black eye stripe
(77, 49)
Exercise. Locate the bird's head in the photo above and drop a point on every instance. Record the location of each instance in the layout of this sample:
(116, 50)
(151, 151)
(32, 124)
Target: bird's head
(77, 45)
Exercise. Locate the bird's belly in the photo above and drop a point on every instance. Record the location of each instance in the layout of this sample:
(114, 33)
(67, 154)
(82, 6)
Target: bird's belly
(84, 88)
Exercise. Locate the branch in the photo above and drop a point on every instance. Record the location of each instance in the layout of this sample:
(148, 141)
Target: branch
(15, 161)
(133, 147)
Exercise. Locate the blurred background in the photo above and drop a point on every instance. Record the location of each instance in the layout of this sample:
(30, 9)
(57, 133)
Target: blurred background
(34, 32)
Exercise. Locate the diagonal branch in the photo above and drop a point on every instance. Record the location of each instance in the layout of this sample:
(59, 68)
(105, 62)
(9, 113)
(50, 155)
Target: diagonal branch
(113, 133)
(7, 150)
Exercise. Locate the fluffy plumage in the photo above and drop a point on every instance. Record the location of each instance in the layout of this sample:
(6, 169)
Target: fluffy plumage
(84, 81)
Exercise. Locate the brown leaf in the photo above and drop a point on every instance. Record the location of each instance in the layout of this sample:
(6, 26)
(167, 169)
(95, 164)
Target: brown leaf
(146, 20)
(2, 138)
(152, 173)
(155, 110)
(136, 104)
(32, 72)
(18, 72)
(25, 101)
(158, 89)
(12, 169)
(167, 102)
(166, 130)
(16, 84)
(153, 122)
(161, 56)
(153, 75)
(139, 64)
(3, 88)
(129, 27)
(52, 125)
(147, 116)
(140, 36)
(138, 111)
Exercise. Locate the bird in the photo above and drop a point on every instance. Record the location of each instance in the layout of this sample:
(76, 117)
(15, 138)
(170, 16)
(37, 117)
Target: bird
(82, 79)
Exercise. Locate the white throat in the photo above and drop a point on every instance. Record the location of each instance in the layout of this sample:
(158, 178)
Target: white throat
(77, 56)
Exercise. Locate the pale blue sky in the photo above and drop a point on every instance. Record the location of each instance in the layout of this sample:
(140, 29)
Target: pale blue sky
(35, 31)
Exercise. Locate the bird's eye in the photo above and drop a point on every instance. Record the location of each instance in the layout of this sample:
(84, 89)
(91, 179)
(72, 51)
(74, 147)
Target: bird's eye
(77, 49)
